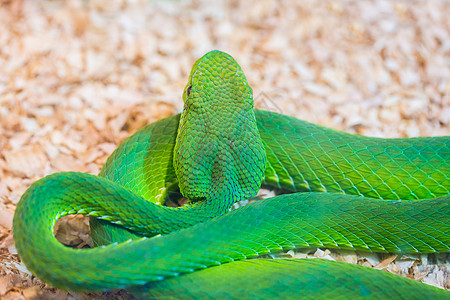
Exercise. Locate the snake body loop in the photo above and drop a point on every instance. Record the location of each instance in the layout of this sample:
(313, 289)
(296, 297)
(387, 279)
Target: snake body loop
(349, 192)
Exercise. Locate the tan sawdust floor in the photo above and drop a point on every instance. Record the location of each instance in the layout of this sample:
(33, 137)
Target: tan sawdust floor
(77, 77)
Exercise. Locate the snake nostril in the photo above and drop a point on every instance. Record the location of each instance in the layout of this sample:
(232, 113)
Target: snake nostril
(188, 91)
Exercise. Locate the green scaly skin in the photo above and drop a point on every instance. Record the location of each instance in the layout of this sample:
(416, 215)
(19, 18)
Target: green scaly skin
(222, 153)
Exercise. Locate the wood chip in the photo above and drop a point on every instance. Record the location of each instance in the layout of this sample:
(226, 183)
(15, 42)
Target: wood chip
(385, 262)
(6, 217)
(27, 162)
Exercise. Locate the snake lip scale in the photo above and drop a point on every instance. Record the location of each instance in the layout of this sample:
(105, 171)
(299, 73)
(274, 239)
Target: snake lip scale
(345, 192)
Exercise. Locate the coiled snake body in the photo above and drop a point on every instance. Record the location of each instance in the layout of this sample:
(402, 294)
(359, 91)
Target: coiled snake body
(352, 192)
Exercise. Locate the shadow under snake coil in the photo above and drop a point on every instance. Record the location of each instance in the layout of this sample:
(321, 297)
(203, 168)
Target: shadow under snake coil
(351, 192)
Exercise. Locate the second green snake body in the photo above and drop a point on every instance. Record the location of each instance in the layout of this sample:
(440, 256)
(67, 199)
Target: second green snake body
(222, 153)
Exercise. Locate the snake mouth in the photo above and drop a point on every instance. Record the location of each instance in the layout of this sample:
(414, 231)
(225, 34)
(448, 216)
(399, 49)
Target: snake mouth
(176, 199)
(183, 201)
(176, 202)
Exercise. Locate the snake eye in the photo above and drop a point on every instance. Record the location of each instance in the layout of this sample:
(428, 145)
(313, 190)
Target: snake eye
(188, 91)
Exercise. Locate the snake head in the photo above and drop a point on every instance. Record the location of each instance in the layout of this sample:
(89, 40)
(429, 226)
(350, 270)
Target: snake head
(218, 148)
(217, 79)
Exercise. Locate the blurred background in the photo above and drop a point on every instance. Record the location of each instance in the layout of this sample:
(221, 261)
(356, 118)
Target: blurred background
(77, 77)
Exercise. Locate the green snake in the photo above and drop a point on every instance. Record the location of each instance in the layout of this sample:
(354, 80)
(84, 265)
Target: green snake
(340, 191)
